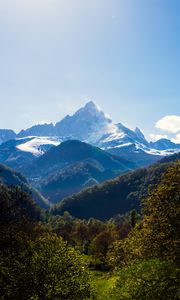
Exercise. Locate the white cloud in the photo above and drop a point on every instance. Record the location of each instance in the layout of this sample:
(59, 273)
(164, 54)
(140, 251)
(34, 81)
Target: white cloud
(176, 139)
(156, 137)
(169, 123)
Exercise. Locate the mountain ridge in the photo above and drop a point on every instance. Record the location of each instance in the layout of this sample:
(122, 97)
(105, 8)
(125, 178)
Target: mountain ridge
(91, 125)
(115, 196)
(12, 178)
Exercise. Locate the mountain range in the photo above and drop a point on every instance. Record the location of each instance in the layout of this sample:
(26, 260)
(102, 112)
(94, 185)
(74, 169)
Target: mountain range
(80, 151)
(72, 166)
(116, 196)
(91, 125)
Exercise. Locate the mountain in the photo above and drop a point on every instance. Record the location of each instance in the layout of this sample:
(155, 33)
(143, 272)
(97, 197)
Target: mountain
(79, 151)
(91, 125)
(120, 135)
(164, 144)
(21, 152)
(81, 174)
(73, 179)
(14, 157)
(135, 154)
(38, 130)
(37, 145)
(87, 124)
(116, 196)
(11, 177)
(6, 134)
(72, 166)
(73, 151)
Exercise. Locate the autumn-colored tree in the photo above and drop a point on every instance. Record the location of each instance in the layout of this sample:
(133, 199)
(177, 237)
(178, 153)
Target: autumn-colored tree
(95, 227)
(80, 232)
(62, 225)
(101, 243)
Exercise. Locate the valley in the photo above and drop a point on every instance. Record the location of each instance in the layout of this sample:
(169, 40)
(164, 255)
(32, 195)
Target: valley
(89, 210)
(79, 151)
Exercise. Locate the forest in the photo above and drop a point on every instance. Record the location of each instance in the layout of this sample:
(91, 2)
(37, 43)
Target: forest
(134, 255)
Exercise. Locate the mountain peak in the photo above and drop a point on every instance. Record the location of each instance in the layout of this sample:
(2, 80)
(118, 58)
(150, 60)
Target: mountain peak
(92, 105)
(139, 133)
(88, 123)
(91, 112)
(90, 108)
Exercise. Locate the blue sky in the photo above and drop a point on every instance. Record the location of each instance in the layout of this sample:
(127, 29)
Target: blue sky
(55, 55)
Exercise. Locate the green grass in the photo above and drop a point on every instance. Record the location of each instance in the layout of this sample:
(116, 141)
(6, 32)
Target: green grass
(102, 283)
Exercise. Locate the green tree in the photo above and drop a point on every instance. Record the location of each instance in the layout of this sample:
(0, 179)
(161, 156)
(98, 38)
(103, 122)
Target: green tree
(158, 235)
(147, 280)
(34, 263)
(133, 217)
(80, 233)
(46, 269)
(101, 243)
(116, 254)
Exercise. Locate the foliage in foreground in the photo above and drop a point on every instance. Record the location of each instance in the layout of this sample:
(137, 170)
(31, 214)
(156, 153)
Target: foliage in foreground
(35, 264)
(147, 261)
(158, 235)
(150, 280)
(46, 269)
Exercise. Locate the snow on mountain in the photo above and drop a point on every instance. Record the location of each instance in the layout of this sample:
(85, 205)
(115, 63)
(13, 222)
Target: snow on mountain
(164, 144)
(139, 134)
(152, 151)
(122, 136)
(38, 145)
(89, 124)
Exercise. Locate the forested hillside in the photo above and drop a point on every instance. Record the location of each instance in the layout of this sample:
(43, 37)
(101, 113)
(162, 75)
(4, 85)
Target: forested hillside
(131, 256)
(72, 166)
(115, 196)
(11, 177)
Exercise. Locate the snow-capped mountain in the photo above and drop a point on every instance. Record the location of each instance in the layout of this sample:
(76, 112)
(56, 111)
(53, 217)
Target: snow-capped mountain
(89, 124)
(163, 144)
(19, 152)
(37, 145)
(121, 135)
